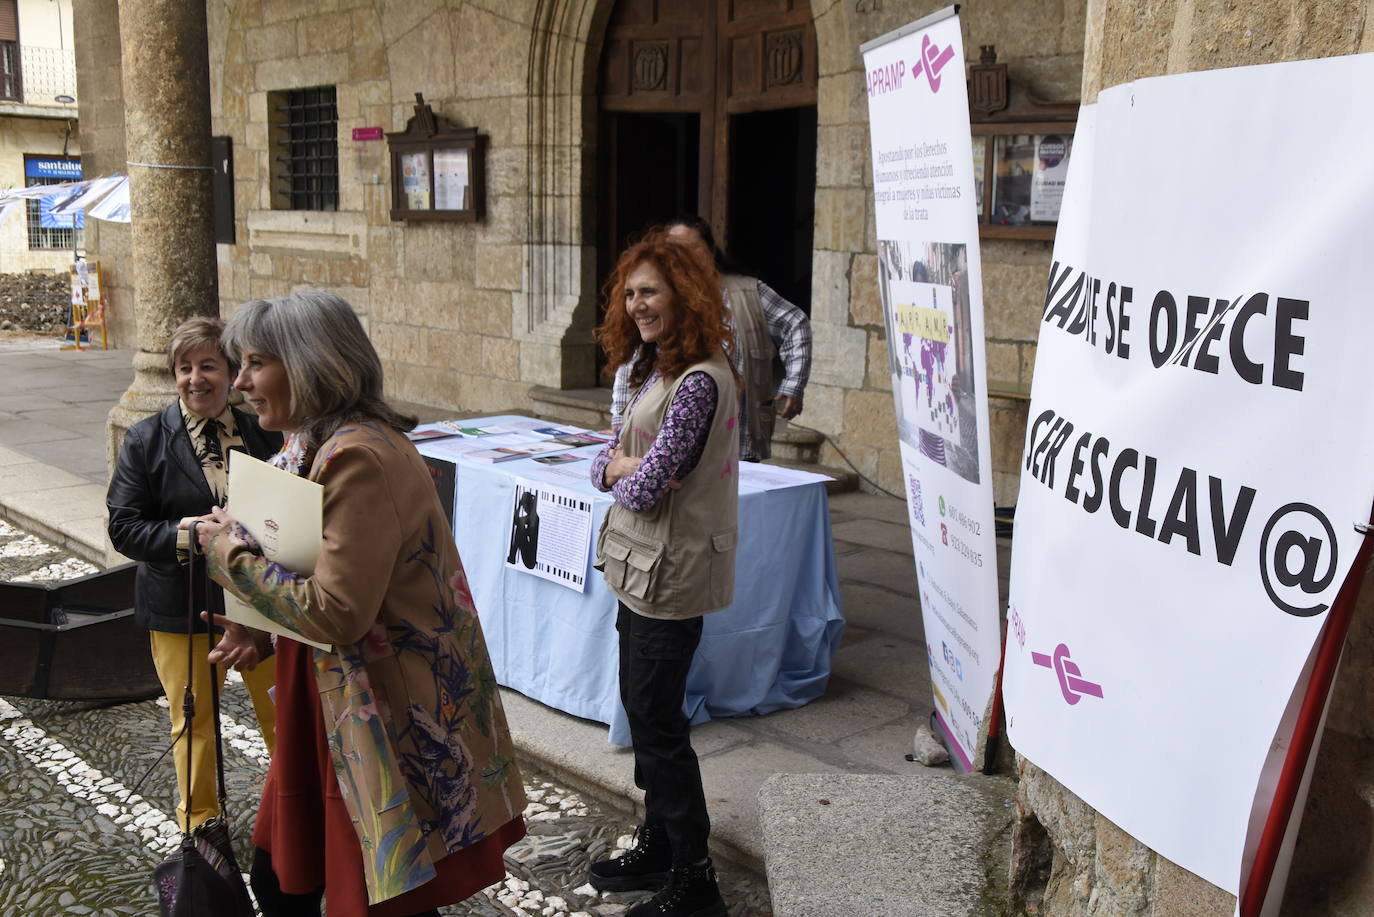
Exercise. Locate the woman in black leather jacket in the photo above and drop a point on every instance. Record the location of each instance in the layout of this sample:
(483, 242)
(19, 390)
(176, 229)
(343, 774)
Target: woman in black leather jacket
(172, 469)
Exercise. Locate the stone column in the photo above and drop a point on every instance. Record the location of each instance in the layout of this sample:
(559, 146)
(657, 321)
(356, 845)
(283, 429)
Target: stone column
(167, 127)
(100, 91)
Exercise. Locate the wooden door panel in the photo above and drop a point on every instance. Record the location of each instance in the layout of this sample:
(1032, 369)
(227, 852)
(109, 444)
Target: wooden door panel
(714, 58)
(740, 10)
(768, 56)
(681, 12)
(693, 70)
(773, 69)
(615, 68)
(742, 73)
(656, 58)
(635, 12)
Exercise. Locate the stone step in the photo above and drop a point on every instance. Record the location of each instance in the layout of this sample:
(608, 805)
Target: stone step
(584, 407)
(796, 445)
(836, 845)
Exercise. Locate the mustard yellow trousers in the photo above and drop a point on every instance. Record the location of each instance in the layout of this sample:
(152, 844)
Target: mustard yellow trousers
(169, 658)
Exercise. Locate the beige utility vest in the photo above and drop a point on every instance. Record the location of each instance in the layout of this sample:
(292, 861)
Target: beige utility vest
(756, 344)
(677, 559)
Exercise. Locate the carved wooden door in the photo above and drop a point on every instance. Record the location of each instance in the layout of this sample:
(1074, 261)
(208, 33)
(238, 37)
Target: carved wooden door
(703, 61)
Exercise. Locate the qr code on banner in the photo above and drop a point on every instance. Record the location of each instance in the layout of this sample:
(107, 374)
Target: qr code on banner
(918, 509)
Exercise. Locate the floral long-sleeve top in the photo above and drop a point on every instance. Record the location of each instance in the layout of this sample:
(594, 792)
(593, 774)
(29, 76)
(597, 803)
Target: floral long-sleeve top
(675, 451)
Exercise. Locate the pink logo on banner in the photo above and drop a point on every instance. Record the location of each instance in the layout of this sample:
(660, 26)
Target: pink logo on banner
(1070, 684)
(932, 61)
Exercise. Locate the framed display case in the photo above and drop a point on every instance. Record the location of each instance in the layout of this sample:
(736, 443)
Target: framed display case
(437, 170)
(1021, 151)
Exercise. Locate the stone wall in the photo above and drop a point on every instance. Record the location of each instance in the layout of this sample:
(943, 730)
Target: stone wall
(1333, 864)
(438, 298)
(100, 92)
(1070, 861)
(35, 301)
(470, 316)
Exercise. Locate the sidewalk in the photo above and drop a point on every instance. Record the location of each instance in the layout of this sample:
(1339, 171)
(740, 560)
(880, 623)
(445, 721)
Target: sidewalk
(53, 405)
(52, 481)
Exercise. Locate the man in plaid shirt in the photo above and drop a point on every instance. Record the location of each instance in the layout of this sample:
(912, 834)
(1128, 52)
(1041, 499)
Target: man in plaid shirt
(787, 325)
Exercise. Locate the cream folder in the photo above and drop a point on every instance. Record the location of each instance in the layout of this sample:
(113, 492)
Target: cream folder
(285, 513)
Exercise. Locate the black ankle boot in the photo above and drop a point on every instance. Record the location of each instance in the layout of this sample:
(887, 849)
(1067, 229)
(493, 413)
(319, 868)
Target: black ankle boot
(691, 892)
(644, 866)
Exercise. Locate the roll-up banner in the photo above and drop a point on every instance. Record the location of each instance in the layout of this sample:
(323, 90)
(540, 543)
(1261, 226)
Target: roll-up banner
(1198, 448)
(930, 278)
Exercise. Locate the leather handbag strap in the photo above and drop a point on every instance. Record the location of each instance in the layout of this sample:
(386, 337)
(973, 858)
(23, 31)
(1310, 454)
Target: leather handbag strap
(188, 699)
(188, 704)
(214, 698)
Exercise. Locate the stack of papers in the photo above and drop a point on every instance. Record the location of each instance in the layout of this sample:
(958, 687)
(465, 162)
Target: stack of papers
(508, 453)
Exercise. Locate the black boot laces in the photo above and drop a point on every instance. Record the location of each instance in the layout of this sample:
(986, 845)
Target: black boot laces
(643, 839)
(674, 893)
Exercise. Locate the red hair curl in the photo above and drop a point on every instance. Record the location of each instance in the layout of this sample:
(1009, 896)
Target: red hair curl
(700, 324)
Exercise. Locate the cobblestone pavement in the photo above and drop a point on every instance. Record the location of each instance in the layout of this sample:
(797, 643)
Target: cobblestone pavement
(76, 839)
(26, 559)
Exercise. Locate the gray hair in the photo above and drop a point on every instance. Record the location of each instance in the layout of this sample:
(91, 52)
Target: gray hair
(333, 370)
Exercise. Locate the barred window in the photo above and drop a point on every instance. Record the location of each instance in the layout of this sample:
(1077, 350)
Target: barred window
(305, 173)
(11, 86)
(57, 233)
(11, 89)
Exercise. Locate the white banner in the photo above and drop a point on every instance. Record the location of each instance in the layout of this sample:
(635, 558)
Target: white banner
(1199, 442)
(930, 278)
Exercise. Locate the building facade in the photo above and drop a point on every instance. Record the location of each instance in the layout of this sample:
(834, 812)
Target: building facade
(597, 115)
(39, 141)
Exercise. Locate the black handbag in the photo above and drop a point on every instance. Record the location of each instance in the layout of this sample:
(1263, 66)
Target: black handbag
(202, 878)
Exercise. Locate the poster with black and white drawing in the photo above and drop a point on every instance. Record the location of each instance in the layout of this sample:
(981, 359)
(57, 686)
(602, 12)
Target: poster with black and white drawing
(550, 533)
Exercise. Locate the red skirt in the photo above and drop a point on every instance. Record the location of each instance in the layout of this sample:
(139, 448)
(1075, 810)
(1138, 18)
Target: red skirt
(303, 823)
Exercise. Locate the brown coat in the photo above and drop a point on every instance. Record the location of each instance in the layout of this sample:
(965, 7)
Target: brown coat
(419, 738)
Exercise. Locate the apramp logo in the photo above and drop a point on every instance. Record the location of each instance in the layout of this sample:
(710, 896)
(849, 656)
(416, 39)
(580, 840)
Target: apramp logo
(892, 77)
(1071, 683)
(932, 60)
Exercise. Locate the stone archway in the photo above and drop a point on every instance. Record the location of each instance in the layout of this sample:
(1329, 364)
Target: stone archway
(556, 309)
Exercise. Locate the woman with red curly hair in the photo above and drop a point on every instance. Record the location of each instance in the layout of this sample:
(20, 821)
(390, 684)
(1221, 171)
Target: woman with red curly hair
(667, 549)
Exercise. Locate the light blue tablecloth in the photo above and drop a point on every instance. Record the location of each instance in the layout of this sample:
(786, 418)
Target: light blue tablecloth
(771, 650)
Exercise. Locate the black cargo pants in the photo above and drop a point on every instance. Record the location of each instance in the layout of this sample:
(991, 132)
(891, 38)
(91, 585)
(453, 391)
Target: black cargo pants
(655, 656)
